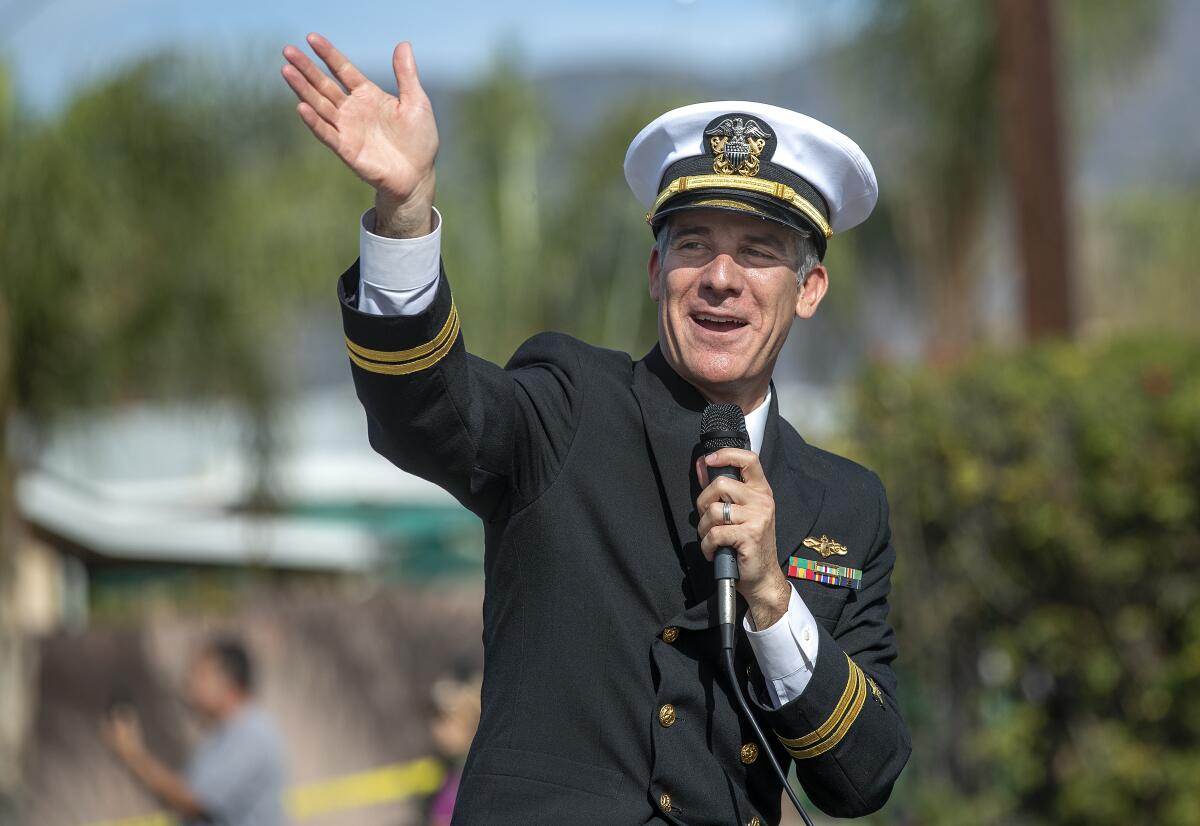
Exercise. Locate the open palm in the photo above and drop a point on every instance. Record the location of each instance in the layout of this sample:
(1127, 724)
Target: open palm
(390, 142)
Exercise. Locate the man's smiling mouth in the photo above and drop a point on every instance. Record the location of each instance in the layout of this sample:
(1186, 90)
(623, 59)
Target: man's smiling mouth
(718, 323)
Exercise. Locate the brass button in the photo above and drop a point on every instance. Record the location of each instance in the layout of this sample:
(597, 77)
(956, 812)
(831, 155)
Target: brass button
(664, 802)
(749, 753)
(666, 715)
(670, 633)
(754, 821)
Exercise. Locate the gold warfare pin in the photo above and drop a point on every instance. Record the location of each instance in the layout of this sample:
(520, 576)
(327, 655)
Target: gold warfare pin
(825, 546)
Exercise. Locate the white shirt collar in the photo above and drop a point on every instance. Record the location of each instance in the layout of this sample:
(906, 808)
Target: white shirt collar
(756, 422)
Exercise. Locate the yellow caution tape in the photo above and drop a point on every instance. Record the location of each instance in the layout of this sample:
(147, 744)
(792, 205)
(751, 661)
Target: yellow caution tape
(156, 819)
(386, 784)
(383, 785)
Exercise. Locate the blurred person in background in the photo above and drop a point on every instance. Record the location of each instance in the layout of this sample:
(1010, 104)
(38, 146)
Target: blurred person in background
(236, 776)
(603, 699)
(455, 700)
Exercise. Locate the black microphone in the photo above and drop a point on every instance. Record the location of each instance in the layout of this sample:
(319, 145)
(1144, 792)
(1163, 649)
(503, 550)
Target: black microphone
(724, 425)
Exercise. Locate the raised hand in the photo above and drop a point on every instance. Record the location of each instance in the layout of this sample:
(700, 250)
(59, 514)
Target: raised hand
(390, 142)
(123, 733)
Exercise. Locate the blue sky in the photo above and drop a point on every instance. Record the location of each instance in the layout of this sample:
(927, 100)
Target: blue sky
(54, 45)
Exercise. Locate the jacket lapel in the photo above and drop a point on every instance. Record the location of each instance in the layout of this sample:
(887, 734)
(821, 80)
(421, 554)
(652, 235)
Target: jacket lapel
(798, 495)
(671, 410)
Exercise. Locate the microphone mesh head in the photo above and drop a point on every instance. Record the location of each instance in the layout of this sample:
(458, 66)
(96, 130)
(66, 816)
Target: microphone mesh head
(723, 425)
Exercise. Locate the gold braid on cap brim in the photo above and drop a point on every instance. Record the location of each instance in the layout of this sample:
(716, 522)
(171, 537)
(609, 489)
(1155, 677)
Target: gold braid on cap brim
(781, 192)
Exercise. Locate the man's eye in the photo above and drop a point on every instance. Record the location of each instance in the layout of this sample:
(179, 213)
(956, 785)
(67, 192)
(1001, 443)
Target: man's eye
(691, 245)
(758, 253)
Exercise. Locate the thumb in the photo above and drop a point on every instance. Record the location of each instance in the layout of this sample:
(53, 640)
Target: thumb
(408, 84)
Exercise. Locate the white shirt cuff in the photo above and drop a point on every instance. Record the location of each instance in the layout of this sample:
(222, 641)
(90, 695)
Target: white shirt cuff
(786, 651)
(397, 276)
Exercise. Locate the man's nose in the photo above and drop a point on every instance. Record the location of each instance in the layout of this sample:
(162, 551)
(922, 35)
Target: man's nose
(722, 275)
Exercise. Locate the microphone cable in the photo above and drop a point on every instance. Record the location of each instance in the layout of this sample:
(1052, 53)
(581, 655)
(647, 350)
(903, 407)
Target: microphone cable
(758, 732)
(724, 425)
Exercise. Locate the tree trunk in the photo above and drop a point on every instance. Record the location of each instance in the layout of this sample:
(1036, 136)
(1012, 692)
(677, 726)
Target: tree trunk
(1031, 137)
(13, 694)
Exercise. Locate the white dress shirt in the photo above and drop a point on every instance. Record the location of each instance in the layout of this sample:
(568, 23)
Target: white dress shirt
(398, 276)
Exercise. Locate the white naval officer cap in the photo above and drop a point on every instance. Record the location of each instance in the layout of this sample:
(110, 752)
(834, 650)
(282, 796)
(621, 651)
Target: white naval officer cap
(752, 158)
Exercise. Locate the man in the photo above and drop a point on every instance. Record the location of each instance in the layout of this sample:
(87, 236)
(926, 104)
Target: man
(603, 701)
(236, 776)
(456, 717)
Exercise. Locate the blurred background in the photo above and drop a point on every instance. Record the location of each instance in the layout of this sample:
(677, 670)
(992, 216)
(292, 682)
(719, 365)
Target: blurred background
(1008, 341)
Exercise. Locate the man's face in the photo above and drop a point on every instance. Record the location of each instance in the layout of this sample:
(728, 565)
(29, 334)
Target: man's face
(209, 689)
(727, 292)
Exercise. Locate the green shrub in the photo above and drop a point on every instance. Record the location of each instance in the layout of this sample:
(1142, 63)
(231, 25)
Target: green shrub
(1046, 511)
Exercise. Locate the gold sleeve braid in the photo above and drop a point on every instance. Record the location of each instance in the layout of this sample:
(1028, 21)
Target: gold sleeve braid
(404, 362)
(831, 732)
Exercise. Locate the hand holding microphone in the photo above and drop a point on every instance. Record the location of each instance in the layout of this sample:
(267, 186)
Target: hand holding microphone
(737, 532)
(737, 517)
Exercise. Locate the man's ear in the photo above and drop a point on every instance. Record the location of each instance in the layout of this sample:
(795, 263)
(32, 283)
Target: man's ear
(811, 291)
(654, 273)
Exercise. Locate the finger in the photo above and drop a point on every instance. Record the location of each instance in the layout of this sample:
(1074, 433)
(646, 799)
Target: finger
(714, 515)
(404, 64)
(325, 133)
(305, 92)
(342, 68)
(723, 489)
(721, 536)
(745, 460)
(313, 74)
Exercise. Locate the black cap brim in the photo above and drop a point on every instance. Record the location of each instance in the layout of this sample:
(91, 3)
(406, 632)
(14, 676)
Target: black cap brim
(742, 203)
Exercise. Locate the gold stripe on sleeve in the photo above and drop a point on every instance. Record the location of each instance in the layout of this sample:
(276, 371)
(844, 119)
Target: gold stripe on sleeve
(838, 711)
(431, 353)
(394, 356)
(847, 721)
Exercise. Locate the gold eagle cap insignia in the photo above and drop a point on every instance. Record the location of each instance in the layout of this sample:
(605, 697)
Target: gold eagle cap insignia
(825, 546)
(736, 144)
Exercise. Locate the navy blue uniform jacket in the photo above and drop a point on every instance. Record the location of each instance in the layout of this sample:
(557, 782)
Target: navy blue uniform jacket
(603, 700)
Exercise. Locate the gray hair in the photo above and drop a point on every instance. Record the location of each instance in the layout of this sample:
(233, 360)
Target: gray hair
(804, 254)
